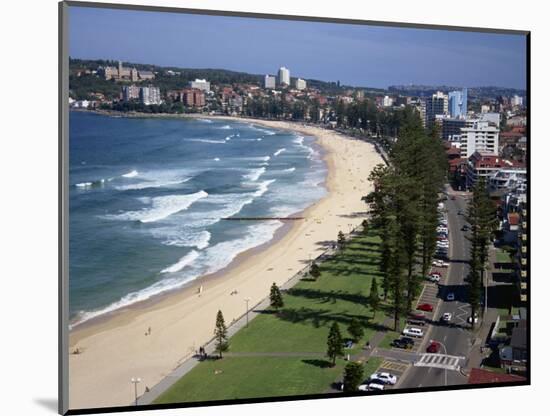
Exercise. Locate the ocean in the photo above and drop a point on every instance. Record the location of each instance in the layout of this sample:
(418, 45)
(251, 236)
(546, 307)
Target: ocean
(147, 198)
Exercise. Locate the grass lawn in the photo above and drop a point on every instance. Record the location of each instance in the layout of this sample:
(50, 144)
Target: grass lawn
(338, 295)
(253, 377)
(249, 377)
(502, 256)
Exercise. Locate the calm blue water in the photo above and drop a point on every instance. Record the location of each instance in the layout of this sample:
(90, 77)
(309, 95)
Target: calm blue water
(147, 196)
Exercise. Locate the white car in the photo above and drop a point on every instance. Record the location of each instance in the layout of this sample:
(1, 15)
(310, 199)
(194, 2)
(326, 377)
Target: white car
(450, 296)
(475, 319)
(446, 317)
(384, 377)
(443, 244)
(440, 263)
(375, 386)
(434, 278)
(413, 332)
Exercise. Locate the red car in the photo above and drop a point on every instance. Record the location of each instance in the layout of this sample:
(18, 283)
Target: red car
(417, 316)
(425, 307)
(433, 347)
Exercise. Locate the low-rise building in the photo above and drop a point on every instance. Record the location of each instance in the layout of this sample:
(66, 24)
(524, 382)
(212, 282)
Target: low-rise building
(200, 84)
(484, 166)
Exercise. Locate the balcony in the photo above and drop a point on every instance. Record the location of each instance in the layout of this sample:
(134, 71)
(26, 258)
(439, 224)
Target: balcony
(523, 274)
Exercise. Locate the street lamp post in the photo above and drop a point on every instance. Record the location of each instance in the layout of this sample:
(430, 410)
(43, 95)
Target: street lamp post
(247, 300)
(135, 382)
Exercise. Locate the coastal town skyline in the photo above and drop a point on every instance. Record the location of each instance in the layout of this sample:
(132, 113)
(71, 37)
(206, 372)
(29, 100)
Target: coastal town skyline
(467, 59)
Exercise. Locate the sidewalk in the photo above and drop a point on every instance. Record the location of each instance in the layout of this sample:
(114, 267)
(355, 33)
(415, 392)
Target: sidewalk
(478, 353)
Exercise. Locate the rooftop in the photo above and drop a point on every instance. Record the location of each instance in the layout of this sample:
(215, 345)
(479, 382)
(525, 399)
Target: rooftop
(491, 161)
(480, 376)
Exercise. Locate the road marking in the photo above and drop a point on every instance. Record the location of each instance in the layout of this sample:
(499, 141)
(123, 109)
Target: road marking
(448, 362)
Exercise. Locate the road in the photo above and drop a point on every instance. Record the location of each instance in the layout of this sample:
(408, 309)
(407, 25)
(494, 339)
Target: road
(456, 339)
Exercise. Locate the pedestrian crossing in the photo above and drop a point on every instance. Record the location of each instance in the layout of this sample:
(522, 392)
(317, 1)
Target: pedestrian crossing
(448, 362)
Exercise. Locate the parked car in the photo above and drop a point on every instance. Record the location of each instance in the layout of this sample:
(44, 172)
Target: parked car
(425, 307)
(446, 317)
(413, 332)
(384, 377)
(417, 315)
(450, 296)
(348, 344)
(434, 278)
(433, 347)
(465, 227)
(440, 263)
(418, 322)
(407, 340)
(375, 387)
(401, 343)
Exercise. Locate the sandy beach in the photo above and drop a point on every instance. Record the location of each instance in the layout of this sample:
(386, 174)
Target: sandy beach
(116, 348)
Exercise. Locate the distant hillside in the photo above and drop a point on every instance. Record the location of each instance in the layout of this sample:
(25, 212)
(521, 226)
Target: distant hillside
(82, 85)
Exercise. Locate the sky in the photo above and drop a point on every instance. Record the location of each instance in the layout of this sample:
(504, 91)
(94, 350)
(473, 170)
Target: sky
(357, 55)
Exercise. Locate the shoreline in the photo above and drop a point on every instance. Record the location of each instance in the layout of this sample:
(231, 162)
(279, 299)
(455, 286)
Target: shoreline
(115, 348)
(194, 284)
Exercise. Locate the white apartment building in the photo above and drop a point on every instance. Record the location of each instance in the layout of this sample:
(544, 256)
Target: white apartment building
(284, 76)
(130, 92)
(200, 84)
(269, 82)
(387, 101)
(300, 84)
(150, 95)
(482, 137)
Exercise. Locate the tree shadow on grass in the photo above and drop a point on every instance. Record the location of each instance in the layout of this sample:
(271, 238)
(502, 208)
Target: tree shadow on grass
(318, 363)
(325, 297)
(323, 317)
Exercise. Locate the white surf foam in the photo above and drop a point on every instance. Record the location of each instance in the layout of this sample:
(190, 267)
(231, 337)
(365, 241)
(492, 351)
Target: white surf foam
(226, 127)
(185, 237)
(162, 207)
(207, 141)
(255, 174)
(131, 174)
(84, 185)
(278, 152)
(188, 259)
(264, 131)
(209, 261)
(289, 170)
